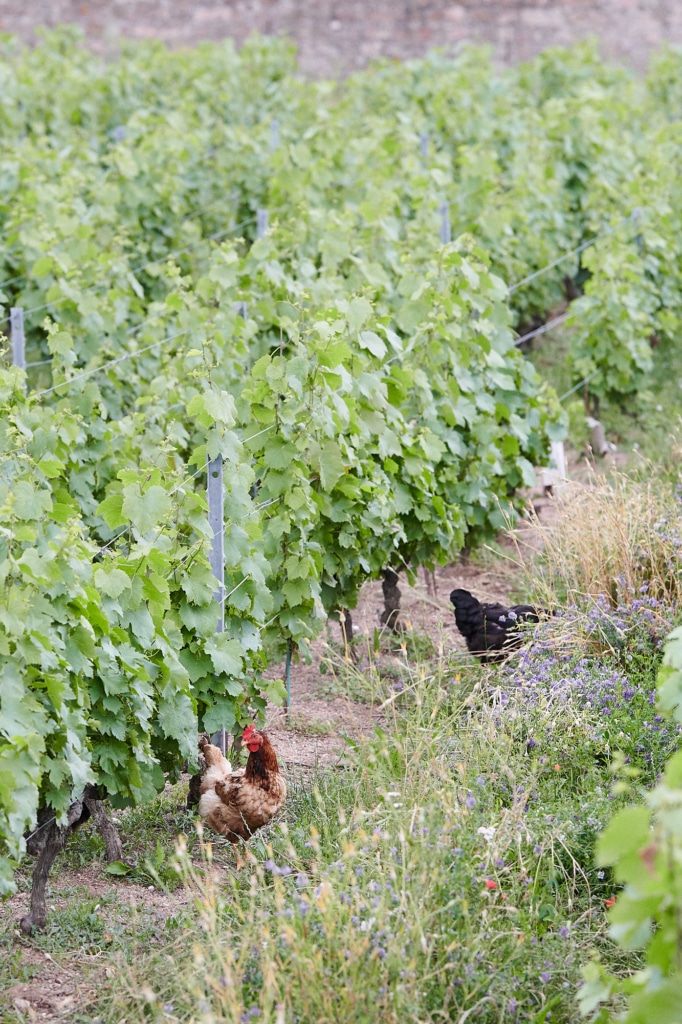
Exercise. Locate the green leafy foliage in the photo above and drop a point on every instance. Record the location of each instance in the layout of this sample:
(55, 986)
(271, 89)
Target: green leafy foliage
(371, 407)
(109, 659)
(643, 847)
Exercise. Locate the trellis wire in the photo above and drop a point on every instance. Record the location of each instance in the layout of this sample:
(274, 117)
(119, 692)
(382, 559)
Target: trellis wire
(40, 828)
(189, 216)
(135, 270)
(241, 308)
(155, 318)
(128, 355)
(544, 328)
(112, 362)
(634, 216)
(555, 263)
(12, 280)
(188, 479)
(580, 384)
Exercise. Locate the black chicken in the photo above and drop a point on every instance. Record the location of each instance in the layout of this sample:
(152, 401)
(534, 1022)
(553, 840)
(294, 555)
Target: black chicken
(490, 630)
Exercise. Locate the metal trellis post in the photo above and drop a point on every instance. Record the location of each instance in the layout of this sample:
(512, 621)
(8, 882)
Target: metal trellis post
(287, 706)
(261, 222)
(445, 233)
(215, 496)
(16, 331)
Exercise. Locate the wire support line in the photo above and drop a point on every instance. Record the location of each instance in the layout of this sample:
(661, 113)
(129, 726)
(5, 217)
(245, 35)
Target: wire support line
(197, 212)
(136, 270)
(112, 362)
(576, 387)
(575, 252)
(245, 440)
(41, 827)
(235, 589)
(128, 334)
(195, 245)
(188, 479)
(154, 319)
(13, 280)
(262, 505)
(193, 550)
(202, 469)
(178, 487)
(544, 328)
(268, 623)
(555, 263)
(252, 512)
(105, 547)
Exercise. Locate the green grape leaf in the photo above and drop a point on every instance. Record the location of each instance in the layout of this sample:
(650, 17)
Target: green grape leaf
(145, 511)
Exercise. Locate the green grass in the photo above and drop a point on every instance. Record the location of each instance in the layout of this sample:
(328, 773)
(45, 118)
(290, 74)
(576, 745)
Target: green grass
(309, 726)
(445, 872)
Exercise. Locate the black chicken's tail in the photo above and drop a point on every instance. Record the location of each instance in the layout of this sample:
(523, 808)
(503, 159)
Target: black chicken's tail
(468, 612)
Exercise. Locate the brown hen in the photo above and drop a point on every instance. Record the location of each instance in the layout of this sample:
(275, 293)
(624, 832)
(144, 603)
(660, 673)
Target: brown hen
(236, 803)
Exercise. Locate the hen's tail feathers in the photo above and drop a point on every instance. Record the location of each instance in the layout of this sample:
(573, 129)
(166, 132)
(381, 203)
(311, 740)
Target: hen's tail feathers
(214, 756)
(194, 790)
(468, 612)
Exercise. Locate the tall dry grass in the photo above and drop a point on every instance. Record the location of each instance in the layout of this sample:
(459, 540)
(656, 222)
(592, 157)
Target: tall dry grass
(613, 541)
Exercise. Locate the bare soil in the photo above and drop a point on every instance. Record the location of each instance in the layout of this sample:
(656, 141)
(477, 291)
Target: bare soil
(62, 983)
(320, 723)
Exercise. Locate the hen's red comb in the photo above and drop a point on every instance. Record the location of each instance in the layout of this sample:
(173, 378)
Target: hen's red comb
(248, 731)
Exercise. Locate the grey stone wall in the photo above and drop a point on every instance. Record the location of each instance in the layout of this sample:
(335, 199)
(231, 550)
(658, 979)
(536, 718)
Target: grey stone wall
(336, 36)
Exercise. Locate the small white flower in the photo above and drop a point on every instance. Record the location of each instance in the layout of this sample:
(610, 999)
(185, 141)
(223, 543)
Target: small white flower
(488, 833)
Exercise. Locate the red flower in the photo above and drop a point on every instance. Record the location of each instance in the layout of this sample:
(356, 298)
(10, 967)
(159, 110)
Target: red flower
(557, 767)
(490, 884)
(609, 903)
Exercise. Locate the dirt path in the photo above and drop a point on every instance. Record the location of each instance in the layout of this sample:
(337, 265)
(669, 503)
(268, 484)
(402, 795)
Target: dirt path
(319, 720)
(53, 985)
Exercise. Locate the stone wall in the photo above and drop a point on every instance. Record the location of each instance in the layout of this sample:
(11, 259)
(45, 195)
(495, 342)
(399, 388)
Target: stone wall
(336, 36)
